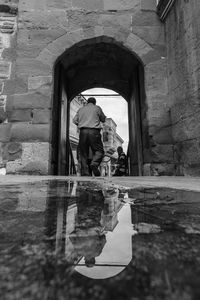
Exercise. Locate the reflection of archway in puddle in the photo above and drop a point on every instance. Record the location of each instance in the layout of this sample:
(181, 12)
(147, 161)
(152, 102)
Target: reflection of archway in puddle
(116, 254)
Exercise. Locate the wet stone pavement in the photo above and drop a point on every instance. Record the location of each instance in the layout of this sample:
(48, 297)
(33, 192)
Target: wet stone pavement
(82, 240)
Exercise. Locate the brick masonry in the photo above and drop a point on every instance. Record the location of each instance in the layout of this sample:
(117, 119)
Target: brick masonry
(45, 29)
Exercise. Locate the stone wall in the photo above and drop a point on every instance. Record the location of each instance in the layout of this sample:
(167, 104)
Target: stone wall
(183, 52)
(45, 30)
(8, 30)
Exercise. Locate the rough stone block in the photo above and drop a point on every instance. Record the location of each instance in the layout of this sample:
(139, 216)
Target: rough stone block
(19, 115)
(28, 51)
(148, 5)
(79, 18)
(162, 135)
(64, 42)
(1, 87)
(34, 160)
(162, 169)
(186, 129)
(41, 116)
(5, 132)
(5, 69)
(3, 115)
(33, 100)
(88, 4)
(12, 151)
(187, 152)
(32, 67)
(147, 169)
(30, 5)
(192, 170)
(29, 132)
(147, 18)
(162, 153)
(16, 85)
(38, 38)
(121, 4)
(47, 58)
(36, 82)
(156, 78)
(4, 39)
(153, 35)
(138, 45)
(115, 20)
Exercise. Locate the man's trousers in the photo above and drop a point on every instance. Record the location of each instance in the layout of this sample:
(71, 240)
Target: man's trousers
(90, 138)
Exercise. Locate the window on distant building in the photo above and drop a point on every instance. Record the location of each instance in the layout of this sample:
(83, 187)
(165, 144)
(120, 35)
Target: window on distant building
(105, 136)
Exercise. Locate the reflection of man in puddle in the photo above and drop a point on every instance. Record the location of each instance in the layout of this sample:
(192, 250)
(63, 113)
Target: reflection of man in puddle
(87, 238)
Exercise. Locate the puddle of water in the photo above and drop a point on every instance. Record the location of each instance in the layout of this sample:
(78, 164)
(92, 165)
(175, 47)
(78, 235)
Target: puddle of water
(81, 240)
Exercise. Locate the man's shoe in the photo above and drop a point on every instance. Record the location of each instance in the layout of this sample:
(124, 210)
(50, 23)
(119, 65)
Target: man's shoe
(95, 170)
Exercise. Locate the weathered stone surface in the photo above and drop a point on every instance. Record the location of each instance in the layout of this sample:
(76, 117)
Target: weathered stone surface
(43, 20)
(41, 116)
(3, 115)
(31, 168)
(112, 20)
(87, 4)
(147, 18)
(32, 67)
(5, 132)
(36, 82)
(162, 169)
(121, 4)
(19, 115)
(182, 40)
(19, 84)
(160, 154)
(162, 135)
(151, 34)
(59, 45)
(38, 38)
(30, 5)
(148, 5)
(38, 99)
(1, 87)
(5, 68)
(34, 160)
(188, 151)
(29, 132)
(12, 151)
(191, 169)
(187, 128)
(137, 45)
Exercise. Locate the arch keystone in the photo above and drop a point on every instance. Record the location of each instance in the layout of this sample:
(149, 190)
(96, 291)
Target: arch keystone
(141, 48)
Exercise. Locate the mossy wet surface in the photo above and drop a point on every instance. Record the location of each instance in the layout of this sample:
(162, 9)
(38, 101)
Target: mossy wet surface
(81, 240)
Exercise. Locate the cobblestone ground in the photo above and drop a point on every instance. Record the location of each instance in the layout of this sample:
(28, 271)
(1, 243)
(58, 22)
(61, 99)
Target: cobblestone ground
(122, 238)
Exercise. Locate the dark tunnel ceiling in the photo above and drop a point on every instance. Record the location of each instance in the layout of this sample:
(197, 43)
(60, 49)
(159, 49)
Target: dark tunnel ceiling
(101, 64)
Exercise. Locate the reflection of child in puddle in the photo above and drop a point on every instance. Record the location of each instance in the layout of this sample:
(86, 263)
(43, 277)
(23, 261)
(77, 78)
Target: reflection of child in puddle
(111, 207)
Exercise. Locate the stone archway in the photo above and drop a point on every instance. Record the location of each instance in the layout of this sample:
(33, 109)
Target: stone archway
(97, 62)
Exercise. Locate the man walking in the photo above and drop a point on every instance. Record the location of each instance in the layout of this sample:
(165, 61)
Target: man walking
(88, 119)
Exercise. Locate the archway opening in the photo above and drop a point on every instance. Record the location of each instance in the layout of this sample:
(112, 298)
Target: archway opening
(101, 63)
(115, 131)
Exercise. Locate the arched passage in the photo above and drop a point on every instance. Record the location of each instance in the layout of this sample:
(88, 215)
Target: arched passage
(99, 62)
